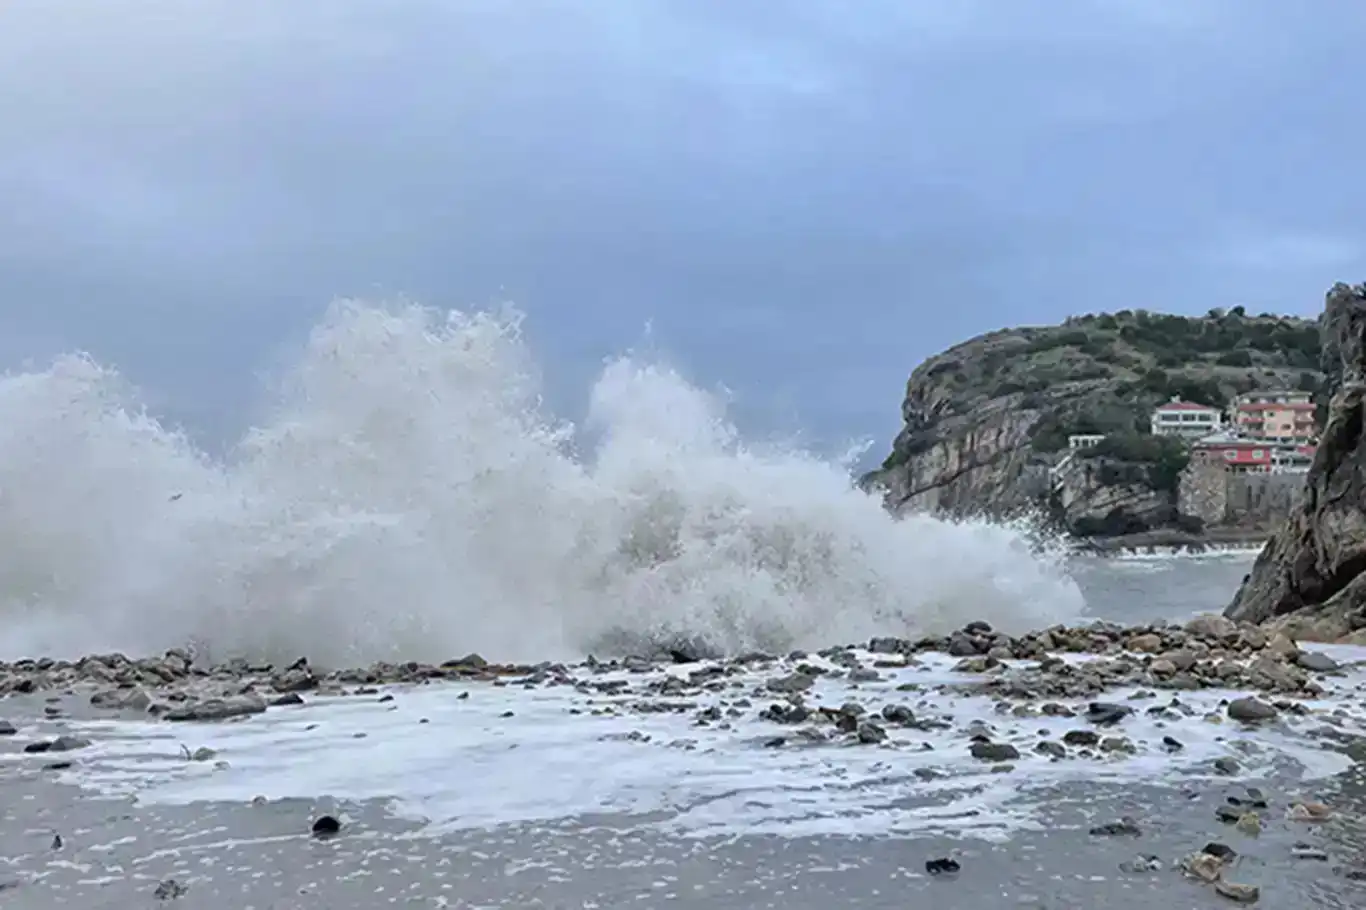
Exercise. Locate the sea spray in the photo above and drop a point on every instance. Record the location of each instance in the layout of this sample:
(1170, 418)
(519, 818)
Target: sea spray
(409, 498)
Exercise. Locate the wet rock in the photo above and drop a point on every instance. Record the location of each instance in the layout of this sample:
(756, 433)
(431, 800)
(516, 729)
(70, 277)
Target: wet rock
(56, 842)
(1143, 863)
(792, 683)
(1252, 798)
(942, 866)
(1249, 823)
(1316, 662)
(898, 714)
(1172, 744)
(7, 728)
(1250, 710)
(297, 679)
(864, 674)
(1125, 827)
(1149, 643)
(1221, 852)
(1226, 765)
(1309, 812)
(1117, 745)
(169, 890)
(289, 698)
(994, 752)
(1081, 738)
(1227, 814)
(870, 733)
(1243, 894)
(1162, 668)
(326, 826)
(1106, 714)
(1203, 867)
(977, 664)
(38, 746)
(1309, 853)
(68, 744)
(214, 709)
(1051, 749)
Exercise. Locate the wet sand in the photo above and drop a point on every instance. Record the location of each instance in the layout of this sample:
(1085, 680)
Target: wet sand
(115, 855)
(63, 846)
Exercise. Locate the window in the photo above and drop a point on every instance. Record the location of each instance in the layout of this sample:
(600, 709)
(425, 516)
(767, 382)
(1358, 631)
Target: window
(1258, 454)
(1230, 454)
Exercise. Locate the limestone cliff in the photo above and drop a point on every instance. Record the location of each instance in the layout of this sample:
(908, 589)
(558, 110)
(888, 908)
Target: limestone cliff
(986, 422)
(1311, 576)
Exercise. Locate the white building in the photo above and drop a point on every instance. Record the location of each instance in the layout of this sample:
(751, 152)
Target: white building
(1085, 440)
(1186, 419)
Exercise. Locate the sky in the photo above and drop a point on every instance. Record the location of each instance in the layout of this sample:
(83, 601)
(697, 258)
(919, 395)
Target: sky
(800, 200)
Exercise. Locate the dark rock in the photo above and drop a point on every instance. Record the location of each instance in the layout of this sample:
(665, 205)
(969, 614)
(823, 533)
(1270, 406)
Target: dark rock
(42, 745)
(898, 714)
(1172, 744)
(58, 765)
(1125, 827)
(869, 733)
(1309, 575)
(1081, 738)
(1105, 714)
(289, 698)
(942, 866)
(326, 826)
(169, 890)
(1051, 749)
(1219, 851)
(1226, 765)
(1316, 662)
(793, 682)
(7, 728)
(1227, 814)
(994, 752)
(68, 744)
(1250, 710)
(213, 709)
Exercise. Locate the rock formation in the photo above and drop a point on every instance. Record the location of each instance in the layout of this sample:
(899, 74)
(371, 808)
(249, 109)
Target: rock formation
(1310, 578)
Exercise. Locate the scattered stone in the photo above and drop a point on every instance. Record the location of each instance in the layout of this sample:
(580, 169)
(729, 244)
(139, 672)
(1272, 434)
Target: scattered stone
(1253, 798)
(169, 890)
(1249, 823)
(326, 826)
(1227, 814)
(1202, 866)
(943, 866)
(1221, 852)
(1309, 852)
(1226, 765)
(1243, 894)
(1081, 738)
(1172, 744)
(56, 842)
(870, 733)
(864, 674)
(1125, 827)
(1250, 710)
(1105, 714)
(994, 752)
(1051, 749)
(1309, 812)
(68, 744)
(214, 709)
(1141, 864)
(7, 728)
(792, 683)
(1316, 662)
(289, 698)
(34, 748)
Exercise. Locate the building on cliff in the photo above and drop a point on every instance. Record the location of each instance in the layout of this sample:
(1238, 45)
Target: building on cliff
(1186, 419)
(1283, 417)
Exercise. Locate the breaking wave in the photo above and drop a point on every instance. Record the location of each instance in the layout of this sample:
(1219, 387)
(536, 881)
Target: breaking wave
(409, 498)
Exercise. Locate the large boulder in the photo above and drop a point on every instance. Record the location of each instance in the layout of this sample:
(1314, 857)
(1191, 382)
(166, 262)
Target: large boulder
(1310, 578)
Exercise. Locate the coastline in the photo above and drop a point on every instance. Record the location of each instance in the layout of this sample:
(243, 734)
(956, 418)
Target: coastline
(1072, 763)
(1170, 541)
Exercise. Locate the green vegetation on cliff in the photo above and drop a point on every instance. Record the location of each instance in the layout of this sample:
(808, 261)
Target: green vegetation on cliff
(988, 418)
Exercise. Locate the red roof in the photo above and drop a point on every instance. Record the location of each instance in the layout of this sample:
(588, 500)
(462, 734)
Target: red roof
(1266, 406)
(1185, 406)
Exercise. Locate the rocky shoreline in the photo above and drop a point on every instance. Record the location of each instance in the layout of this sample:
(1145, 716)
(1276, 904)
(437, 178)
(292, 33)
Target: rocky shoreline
(1161, 678)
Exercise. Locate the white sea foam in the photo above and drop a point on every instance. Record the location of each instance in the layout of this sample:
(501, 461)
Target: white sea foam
(409, 498)
(507, 755)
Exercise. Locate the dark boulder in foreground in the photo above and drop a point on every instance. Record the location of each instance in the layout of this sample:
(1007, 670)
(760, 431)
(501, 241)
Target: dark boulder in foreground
(1310, 578)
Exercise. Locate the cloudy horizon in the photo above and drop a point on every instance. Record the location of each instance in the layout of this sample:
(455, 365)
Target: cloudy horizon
(800, 203)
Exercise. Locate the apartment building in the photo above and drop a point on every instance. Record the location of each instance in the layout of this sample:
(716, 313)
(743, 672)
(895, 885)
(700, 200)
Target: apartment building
(1186, 419)
(1285, 417)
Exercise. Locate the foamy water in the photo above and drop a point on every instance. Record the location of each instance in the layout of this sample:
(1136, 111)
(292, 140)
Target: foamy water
(513, 755)
(410, 498)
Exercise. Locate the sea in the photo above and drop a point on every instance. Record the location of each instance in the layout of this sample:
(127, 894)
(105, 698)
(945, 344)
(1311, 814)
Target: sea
(408, 495)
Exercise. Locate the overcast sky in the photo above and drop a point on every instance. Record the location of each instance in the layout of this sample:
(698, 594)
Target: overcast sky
(804, 199)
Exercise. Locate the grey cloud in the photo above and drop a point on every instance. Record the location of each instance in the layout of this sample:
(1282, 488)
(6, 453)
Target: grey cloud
(804, 198)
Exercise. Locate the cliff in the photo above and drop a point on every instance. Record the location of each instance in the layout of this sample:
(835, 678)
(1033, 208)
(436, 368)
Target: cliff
(1310, 578)
(986, 422)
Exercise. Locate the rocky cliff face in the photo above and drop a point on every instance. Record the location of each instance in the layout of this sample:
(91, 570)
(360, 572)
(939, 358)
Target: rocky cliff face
(986, 422)
(1310, 579)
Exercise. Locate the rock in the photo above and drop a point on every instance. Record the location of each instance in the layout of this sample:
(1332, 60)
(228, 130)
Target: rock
(1116, 745)
(7, 728)
(898, 714)
(1226, 765)
(1146, 644)
(1171, 744)
(214, 709)
(326, 826)
(864, 674)
(1081, 738)
(1309, 812)
(869, 733)
(942, 866)
(1125, 827)
(1250, 710)
(1141, 864)
(299, 679)
(994, 752)
(289, 698)
(1249, 823)
(1105, 714)
(1162, 667)
(68, 743)
(1243, 894)
(792, 683)
(1051, 749)
(38, 746)
(1310, 573)
(1203, 867)
(1316, 662)
(1309, 852)
(1221, 852)
(169, 890)
(1211, 627)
